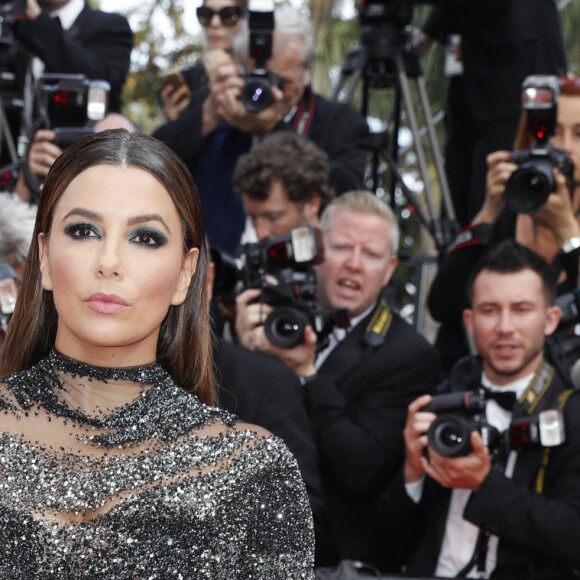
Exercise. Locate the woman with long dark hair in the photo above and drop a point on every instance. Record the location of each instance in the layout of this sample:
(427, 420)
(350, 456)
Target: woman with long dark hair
(109, 467)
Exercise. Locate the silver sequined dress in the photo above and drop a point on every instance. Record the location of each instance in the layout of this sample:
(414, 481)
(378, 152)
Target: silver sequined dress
(150, 483)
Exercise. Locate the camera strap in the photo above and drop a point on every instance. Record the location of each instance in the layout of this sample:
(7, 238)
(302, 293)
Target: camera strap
(304, 113)
(379, 323)
(537, 388)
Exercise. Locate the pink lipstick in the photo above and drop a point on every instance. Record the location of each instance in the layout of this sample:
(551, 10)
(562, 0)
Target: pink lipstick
(107, 303)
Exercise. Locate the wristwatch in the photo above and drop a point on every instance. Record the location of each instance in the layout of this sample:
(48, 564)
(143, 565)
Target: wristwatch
(570, 245)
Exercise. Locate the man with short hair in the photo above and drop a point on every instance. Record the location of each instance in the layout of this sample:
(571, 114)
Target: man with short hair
(215, 129)
(283, 182)
(356, 390)
(518, 515)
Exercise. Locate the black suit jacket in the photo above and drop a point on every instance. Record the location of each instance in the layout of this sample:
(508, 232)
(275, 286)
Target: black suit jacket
(538, 533)
(97, 45)
(358, 406)
(503, 41)
(261, 390)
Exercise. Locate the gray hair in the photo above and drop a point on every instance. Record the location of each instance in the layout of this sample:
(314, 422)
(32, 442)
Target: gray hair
(363, 202)
(289, 24)
(16, 228)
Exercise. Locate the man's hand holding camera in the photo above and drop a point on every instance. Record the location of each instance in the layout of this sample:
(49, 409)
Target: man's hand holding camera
(466, 472)
(224, 102)
(499, 170)
(250, 316)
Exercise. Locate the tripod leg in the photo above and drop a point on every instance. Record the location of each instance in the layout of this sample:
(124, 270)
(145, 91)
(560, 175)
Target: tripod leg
(437, 157)
(406, 92)
(6, 133)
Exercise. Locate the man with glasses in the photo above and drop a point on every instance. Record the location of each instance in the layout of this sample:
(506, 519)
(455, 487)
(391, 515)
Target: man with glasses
(214, 129)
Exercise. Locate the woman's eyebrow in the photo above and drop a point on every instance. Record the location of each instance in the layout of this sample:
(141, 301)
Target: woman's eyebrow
(139, 219)
(148, 217)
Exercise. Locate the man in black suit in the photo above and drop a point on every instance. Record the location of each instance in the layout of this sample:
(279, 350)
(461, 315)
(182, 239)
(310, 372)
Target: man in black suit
(215, 129)
(67, 36)
(502, 42)
(517, 516)
(357, 389)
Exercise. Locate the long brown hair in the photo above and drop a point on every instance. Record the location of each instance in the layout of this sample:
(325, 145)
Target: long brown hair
(184, 346)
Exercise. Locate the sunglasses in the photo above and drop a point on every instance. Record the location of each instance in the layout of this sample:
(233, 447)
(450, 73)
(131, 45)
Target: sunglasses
(229, 15)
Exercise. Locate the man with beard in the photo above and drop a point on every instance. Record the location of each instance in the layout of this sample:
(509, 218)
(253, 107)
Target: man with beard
(497, 511)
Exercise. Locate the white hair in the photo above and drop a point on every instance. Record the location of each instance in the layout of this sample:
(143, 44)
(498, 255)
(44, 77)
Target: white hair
(363, 202)
(16, 228)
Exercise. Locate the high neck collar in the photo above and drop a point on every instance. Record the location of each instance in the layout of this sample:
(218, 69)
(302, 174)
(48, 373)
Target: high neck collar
(145, 374)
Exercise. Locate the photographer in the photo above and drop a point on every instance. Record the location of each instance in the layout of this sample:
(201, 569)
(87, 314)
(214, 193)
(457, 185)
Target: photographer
(517, 515)
(356, 390)
(552, 231)
(220, 21)
(67, 36)
(216, 128)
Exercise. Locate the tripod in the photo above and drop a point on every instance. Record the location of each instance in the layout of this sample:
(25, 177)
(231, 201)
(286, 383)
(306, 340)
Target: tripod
(384, 60)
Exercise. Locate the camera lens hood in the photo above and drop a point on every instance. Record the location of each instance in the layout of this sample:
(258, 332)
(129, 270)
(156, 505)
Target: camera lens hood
(284, 326)
(528, 187)
(256, 94)
(449, 435)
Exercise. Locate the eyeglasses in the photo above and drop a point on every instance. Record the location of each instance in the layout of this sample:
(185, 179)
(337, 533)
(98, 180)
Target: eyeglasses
(229, 15)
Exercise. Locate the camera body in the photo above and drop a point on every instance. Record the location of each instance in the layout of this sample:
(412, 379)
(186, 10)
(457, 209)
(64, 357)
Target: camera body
(11, 8)
(257, 90)
(530, 185)
(70, 104)
(282, 267)
(460, 413)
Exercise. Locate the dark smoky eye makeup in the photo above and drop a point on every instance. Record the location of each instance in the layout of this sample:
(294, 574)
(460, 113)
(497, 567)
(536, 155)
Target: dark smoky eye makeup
(148, 237)
(81, 230)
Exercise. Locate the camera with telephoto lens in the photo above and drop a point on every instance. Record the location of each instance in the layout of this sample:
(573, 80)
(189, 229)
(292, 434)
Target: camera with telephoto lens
(282, 267)
(461, 413)
(257, 90)
(10, 8)
(528, 187)
(71, 104)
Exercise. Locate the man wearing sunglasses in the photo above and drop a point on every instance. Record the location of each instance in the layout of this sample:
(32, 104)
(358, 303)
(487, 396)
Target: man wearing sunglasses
(215, 129)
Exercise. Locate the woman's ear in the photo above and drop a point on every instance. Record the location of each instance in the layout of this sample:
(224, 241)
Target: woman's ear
(188, 268)
(43, 259)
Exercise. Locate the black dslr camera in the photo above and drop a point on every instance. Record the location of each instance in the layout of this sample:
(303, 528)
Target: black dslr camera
(70, 104)
(464, 412)
(11, 8)
(461, 413)
(257, 90)
(530, 185)
(282, 268)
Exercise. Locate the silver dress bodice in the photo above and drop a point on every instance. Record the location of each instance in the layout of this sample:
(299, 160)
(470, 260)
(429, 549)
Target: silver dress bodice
(119, 473)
